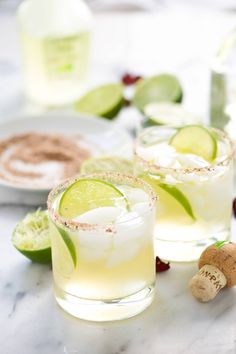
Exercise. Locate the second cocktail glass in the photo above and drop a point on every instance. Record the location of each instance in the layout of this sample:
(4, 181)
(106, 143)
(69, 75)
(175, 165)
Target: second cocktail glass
(191, 170)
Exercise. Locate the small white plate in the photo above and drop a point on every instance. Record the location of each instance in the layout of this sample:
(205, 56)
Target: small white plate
(102, 133)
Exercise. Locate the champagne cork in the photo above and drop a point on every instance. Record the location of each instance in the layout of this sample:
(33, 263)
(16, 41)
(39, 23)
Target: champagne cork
(217, 269)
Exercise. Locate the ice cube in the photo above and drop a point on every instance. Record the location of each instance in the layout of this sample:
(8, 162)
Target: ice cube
(191, 160)
(134, 227)
(95, 239)
(223, 149)
(161, 154)
(89, 254)
(140, 208)
(101, 216)
(134, 195)
(122, 254)
(129, 216)
(98, 239)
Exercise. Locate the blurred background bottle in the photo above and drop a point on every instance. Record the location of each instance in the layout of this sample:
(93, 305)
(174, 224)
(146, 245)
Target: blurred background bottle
(223, 84)
(55, 37)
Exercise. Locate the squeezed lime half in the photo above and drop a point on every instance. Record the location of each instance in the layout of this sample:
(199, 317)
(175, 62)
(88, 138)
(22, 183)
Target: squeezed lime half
(87, 194)
(31, 237)
(159, 88)
(104, 101)
(171, 114)
(197, 140)
(107, 164)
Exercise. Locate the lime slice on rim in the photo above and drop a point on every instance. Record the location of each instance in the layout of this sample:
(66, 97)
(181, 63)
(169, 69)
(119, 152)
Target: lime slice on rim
(105, 101)
(197, 140)
(171, 114)
(87, 194)
(159, 88)
(31, 237)
(106, 164)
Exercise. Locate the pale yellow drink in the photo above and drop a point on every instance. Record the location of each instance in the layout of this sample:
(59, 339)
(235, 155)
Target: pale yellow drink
(195, 195)
(55, 68)
(103, 260)
(55, 40)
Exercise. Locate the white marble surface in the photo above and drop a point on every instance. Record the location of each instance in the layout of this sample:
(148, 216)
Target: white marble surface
(32, 323)
(30, 320)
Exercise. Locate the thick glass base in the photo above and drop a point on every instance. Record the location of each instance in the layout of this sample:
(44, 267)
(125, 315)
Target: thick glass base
(100, 310)
(183, 251)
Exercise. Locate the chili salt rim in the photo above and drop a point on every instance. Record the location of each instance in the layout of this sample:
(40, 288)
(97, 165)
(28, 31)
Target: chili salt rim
(187, 170)
(115, 177)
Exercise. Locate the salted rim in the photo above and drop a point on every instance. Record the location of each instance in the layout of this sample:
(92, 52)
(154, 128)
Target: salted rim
(186, 170)
(108, 176)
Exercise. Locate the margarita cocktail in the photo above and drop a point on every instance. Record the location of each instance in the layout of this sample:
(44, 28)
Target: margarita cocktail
(191, 170)
(102, 245)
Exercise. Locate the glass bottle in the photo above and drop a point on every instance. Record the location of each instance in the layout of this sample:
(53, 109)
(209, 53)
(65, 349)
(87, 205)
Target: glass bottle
(55, 36)
(223, 84)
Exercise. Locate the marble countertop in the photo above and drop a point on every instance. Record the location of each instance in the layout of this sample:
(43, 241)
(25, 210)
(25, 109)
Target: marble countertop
(32, 323)
(30, 320)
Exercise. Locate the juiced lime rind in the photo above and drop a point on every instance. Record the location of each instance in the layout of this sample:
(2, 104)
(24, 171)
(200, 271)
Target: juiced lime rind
(159, 88)
(104, 101)
(180, 197)
(69, 244)
(43, 256)
(31, 237)
(107, 164)
(76, 199)
(197, 140)
(171, 114)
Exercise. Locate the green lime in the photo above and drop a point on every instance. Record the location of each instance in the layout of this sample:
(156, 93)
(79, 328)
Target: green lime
(171, 114)
(179, 197)
(31, 237)
(159, 88)
(197, 140)
(172, 201)
(107, 164)
(87, 194)
(69, 244)
(104, 101)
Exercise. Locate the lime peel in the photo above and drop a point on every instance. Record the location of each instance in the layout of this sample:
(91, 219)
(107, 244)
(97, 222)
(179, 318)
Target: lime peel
(69, 244)
(171, 114)
(104, 101)
(159, 88)
(31, 237)
(180, 197)
(174, 192)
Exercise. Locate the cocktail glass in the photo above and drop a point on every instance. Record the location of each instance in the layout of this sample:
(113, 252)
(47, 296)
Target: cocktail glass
(103, 261)
(195, 196)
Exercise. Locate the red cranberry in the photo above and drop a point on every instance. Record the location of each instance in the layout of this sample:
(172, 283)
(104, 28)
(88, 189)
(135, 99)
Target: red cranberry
(161, 266)
(130, 79)
(234, 207)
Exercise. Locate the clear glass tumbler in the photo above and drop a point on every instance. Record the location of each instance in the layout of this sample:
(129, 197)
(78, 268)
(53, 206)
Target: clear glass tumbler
(103, 261)
(195, 196)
